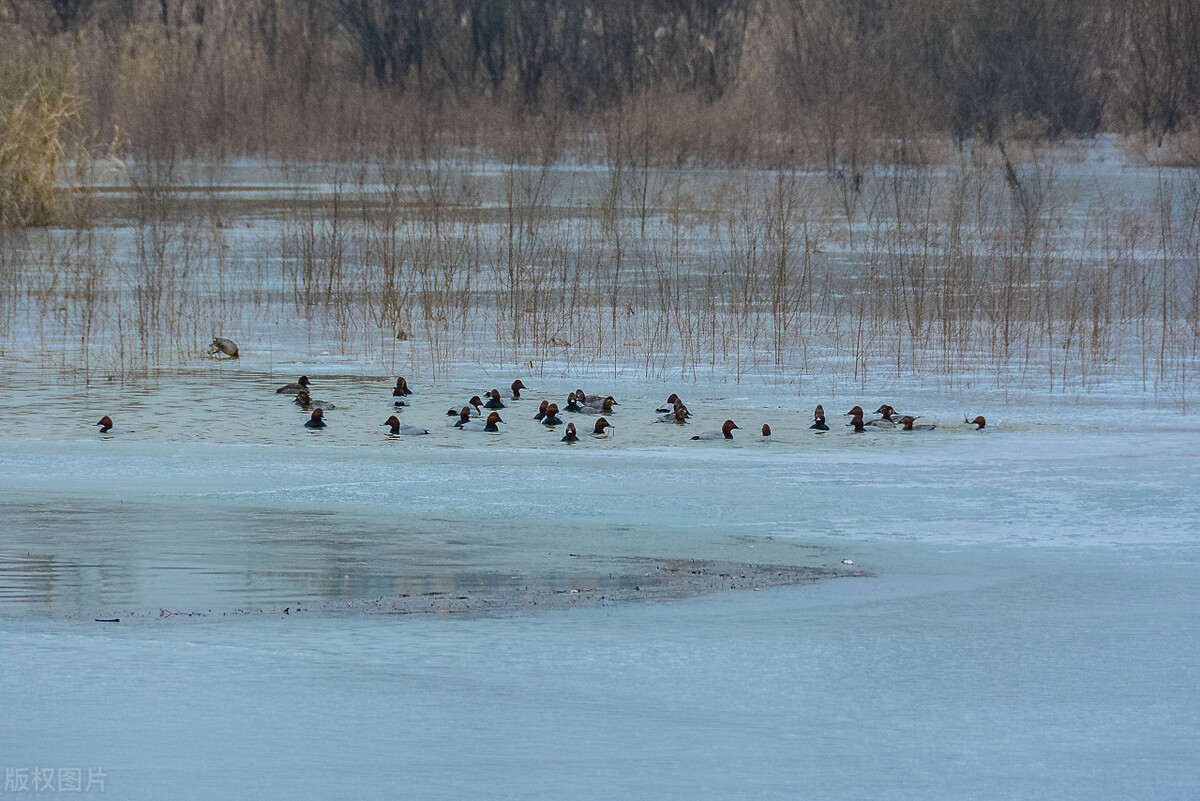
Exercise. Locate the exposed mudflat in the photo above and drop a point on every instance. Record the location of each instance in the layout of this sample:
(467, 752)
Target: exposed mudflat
(630, 580)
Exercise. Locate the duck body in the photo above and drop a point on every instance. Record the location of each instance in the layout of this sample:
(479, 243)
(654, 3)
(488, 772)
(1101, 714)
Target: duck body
(573, 404)
(305, 401)
(726, 432)
(906, 424)
(317, 420)
(494, 401)
(819, 424)
(669, 406)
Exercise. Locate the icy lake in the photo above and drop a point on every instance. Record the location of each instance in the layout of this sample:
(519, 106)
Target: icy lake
(212, 601)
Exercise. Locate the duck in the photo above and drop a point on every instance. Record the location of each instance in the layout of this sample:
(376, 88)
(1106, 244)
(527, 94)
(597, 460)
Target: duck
(819, 412)
(679, 416)
(223, 345)
(726, 432)
(857, 422)
(401, 388)
(551, 418)
(475, 405)
(393, 423)
(305, 401)
(589, 400)
(488, 425)
(979, 422)
(605, 406)
(766, 431)
(886, 420)
(317, 420)
(516, 388)
(494, 401)
(541, 412)
(906, 423)
(669, 406)
(573, 403)
(292, 389)
(600, 429)
(105, 424)
(819, 419)
(570, 437)
(464, 417)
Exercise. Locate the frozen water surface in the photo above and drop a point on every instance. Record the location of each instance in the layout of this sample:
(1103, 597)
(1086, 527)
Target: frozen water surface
(1028, 631)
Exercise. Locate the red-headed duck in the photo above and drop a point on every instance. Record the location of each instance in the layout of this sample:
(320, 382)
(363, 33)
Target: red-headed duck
(393, 423)
(600, 429)
(401, 388)
(494, 401)
(105, 424)
(484, 425)
(819, 412)
(679, 416)
(979, 422)
(516, 388)
(475, 405)
(726, 432)
(888, 419)
(906, 423)
(819, 419)
(604, 406)
(541, 412)
(570, 437)
(857, 422)
(551, 418)
(464, 417)
(292, 389)
(573, 403)
(855, 410)
(669, 406)
(317, 420)
(766, 431)
(589, 400)
(305, 401)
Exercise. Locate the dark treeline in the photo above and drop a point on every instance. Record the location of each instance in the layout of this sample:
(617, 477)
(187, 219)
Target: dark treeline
(318, 76)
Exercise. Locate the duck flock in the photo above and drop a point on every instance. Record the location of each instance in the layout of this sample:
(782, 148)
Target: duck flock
(480, 415)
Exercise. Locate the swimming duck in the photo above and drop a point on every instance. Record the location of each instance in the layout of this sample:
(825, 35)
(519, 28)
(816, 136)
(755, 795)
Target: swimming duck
(600, 429)
(857, 422)
(517, 386)
(305, 401)
(570, 437)
(464, 417)
(401, 388)
(819, 419)
(605, 406)
(979, 422)
(105, 424)
(317, 419)
(475, 405)
(669, 406)
(886, 421)
(726, 432)
(819, 412)
(907, 424)
(488, 425)
(292, 389)
(551, 418)
(541, 412)
(393, 423)
(766, 431)
(679, 416)
(573, 403)
(223, 345)
(590, 400)
(494, 401)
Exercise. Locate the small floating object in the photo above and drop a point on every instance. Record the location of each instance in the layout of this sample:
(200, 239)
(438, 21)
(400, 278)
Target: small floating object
(107, 619)
(223, 345)
(847, 561)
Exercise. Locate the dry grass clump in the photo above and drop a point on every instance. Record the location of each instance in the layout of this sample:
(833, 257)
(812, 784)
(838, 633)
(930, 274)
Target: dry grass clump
(36, 107)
